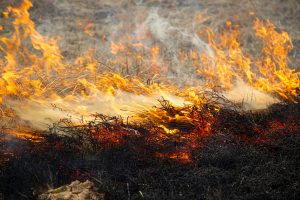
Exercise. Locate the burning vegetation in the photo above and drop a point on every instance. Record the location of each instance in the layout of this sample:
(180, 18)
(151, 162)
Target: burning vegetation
(154, 120)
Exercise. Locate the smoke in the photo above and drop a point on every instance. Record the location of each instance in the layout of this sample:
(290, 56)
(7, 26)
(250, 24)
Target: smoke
(253, 99)
(159, 28)
(163, 31)
(172, 39)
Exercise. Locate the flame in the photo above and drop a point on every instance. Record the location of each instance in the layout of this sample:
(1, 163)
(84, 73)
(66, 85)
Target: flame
(87, 25)
(267, 73)
(138, 75)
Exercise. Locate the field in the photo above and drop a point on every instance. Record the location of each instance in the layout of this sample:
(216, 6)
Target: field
(123, 97)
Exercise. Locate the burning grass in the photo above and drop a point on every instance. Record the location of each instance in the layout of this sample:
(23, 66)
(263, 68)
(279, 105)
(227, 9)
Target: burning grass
(166, 112)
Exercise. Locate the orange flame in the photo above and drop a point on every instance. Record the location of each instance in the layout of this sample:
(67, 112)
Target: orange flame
(87, 25)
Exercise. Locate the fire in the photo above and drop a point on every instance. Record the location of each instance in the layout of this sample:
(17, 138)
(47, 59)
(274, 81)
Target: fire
(268, 72)
(130, 84)
(87, 25)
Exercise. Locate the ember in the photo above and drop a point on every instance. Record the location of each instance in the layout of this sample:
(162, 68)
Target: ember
(161, 96)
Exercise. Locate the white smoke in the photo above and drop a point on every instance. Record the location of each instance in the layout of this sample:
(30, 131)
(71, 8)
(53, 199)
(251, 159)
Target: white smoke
(253, 99)
(163, 31)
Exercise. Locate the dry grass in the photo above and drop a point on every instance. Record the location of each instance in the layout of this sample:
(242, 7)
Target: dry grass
(54, 18)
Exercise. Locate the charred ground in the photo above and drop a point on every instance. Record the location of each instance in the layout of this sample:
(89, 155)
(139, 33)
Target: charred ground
(240, 161)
